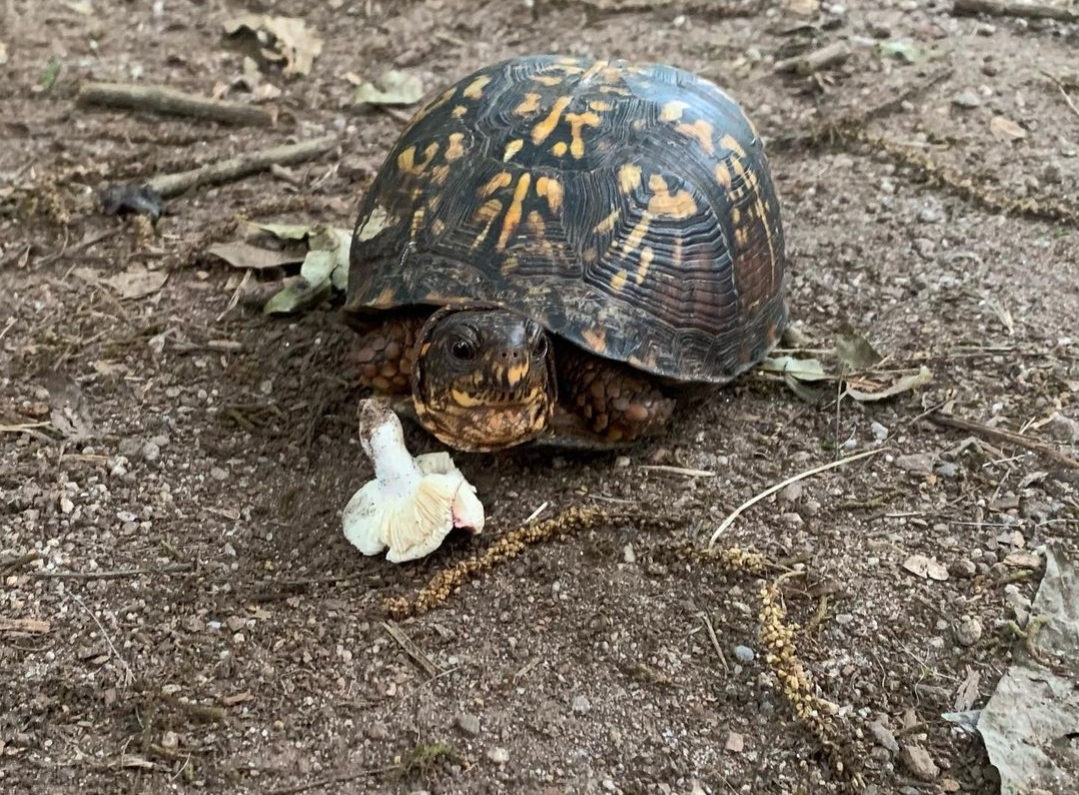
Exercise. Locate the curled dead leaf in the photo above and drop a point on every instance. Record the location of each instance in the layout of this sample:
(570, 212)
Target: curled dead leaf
(923, 566)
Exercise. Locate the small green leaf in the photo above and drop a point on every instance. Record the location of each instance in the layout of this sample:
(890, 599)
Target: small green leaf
(900, 49)
(296, 296)
(393, 88)
(801, 369)
(52, 72)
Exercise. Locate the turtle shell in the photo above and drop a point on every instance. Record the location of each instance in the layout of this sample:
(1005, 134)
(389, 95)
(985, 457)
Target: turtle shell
(627, 207)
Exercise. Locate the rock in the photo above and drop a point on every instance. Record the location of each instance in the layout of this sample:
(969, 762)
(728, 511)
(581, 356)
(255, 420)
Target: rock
(735, 743)
(378, 731)
(791, 493)
(129, 447)
(743, 654)
(967, 100)
(628, 555)
(66, 505)
(217, 473)
(498, 755)
(880, 433)
(920, 463)
(580, 704)
(920, 764)
(1063, 428)
(467, 723)
(791, 519)
(884, 737)
(946, 469)
(962, 568)
(151, 451)
(968, 631)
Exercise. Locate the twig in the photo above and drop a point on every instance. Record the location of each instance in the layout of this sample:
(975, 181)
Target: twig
(689, 473)
(339, 778)
(715, 642)
(1063, 91)
(14, 564)
(825, 58)
(779, 486)
(1000, 435)
(78, 247)
(8, 327)
(23, 426)
(1007, 8)
(130, 675)
(170, 102)
(169, 185)
(411, 649)
(115, 574)
(535, 514)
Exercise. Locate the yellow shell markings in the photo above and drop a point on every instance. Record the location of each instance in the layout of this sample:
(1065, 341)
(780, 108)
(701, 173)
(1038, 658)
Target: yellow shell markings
(663, 204)
(595, 69)
(728, 141)
(577, 121)
(426, 110)
(513, 214)
(600, 106)
(406, 161)
(499, 181)
(512, 148)
(417, 221)
(439, 174)
(385, 298)
(459, 111)
(629, 178)
(702, 132)
(607, 224)
(549, 80)
(618, 281)
(672, 111)
(560, 149)
(530, 104)
(645, 262)
(474, 90)
(550, 189)
(375, 223)
(456, 149)
(544, 128)
(486, 214)
(596, 338)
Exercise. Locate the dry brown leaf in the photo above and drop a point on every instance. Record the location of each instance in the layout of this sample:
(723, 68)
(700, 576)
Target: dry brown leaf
(247, 256)
(286, 39)
(926, 567)
(1004, 129)
(136, 282)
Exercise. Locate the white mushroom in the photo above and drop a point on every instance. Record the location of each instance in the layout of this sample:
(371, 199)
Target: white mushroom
(413, 503)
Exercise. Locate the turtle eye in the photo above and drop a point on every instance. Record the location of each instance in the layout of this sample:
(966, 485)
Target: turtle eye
(463, 350)
(540, 349)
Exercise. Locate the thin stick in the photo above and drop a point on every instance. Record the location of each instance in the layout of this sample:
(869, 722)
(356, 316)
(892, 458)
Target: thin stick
(339, 778)
(23, 426)
(688, 472)
(779, 486)
(1006, 8)
(535, 514)
(826, 57)
(127, 668)
(715, 642)
(115, 574)
(999, 435)
(169, 185)
(1063, 91)
(170, 102)
(411, 649)
(10, 325)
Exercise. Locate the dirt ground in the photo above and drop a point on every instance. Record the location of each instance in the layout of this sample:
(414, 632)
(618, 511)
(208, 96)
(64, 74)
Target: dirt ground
(179, 610)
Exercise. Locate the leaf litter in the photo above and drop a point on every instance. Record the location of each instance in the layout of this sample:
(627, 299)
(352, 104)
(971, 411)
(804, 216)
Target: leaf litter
(1031, 721)
(283, 40)
(855, 364)
(392, 88)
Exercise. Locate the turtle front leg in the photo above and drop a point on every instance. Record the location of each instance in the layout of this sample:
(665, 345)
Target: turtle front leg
(616, 402)
(385, 355)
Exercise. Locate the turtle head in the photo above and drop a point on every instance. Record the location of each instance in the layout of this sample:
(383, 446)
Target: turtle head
(484, 378)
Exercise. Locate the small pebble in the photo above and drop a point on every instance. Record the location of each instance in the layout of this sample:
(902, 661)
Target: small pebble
(378, 731)
(66, 505)
(467, 723)
(884, 737)
(968, 99)
(498, 755)
(581, 704)
(880, 433)
(920, 764)
(946, 469)
(791, 519)
(791, 493)
(129, 447)
(735, 743)
(962, 568)
(217, 473)
(170, 740)
(969, 631)
(622, 461)
(743, 654)
(628, 555)
(151, 451)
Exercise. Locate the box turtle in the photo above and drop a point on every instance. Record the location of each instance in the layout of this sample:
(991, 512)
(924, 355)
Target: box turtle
(560, 249)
